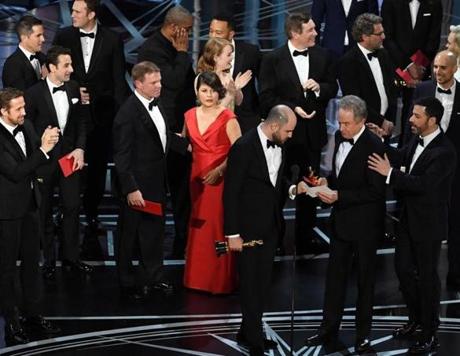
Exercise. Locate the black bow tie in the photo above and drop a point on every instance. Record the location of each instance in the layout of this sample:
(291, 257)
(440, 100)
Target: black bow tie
(271, 143)
(56, 89)
(421, 142)
(18, 129)
(342, 139)
(90, 34)
(153, 103)
(32, 57)
(371, 55)
(442, 91)
(300, 53)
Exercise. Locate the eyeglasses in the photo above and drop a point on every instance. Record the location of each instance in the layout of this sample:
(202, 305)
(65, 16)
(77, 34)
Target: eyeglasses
(377, 34)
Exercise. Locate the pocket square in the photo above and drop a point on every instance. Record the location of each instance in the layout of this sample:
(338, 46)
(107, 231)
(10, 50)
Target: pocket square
(427, 14)
(403, 169)
(74, 100)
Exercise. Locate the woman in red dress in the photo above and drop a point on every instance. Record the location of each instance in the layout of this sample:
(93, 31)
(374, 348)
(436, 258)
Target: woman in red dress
(212, 129)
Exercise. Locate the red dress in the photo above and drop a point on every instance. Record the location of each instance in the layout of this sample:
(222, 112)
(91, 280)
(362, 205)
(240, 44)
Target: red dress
(203, 269)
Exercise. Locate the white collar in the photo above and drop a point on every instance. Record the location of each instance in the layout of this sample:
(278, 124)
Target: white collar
(428, 138)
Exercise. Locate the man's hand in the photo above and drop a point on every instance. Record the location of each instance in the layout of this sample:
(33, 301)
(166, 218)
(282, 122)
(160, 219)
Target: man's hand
(387, 127)
(416, 71)
(375, 129)
(78, 159)
(212, 176)
(235, 244)
(311, 84)
(85, 98)
(135, 199)
(50, 138)
(299, 111)
(302, 188)
(379, 164)
(180, 40)
(328, 198)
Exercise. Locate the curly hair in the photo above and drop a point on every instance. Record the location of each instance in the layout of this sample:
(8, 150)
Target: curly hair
(214, 47)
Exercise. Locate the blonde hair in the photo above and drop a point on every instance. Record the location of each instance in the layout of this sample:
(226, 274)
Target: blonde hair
(214, 47)
(456, 31)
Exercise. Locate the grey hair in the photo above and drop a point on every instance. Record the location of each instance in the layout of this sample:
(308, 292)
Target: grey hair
(364, 25)
(456, 31)
(278, 114)
(354, 104)
(177, 15)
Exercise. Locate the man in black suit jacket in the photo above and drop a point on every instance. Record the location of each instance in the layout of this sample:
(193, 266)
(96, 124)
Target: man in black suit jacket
(23, 68)
(253, 199)
(55, 101)
(302, 76)
(422, 174)
(246, 57)
(367, 72)
(19, 158)
(99, 68)
(357, 219)
(167, 48)
(141, 141)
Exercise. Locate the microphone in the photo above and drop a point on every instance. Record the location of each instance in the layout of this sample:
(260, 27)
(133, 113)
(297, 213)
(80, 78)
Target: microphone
(295, 175)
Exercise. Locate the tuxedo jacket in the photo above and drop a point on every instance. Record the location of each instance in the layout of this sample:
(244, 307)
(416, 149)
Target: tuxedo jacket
(17, 173)
(18, 71)
(177, 77)
(355, 78)
(280, 84)
(252, 205)
(105, 79)
(401, 40)
(425, 192)
(331, 12)
(359, 212)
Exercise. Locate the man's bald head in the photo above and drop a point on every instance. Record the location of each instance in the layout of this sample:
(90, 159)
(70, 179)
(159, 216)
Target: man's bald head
(444, 68)
(449, 56)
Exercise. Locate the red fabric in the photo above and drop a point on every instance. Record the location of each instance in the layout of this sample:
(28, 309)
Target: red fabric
(203, 269)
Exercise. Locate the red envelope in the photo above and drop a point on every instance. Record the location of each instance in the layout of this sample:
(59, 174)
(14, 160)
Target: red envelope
(150, 208)
(66, 165)
(404, 74)
(420, 59)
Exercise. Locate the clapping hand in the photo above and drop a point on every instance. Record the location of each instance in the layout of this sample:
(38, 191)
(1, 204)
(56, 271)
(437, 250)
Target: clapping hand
(242, 79)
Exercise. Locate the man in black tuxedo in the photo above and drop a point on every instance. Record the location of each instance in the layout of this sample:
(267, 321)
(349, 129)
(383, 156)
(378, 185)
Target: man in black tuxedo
(253, 200)
(141, 141)
(24, 67)
(302, 76)
(367, 72)
(55, 101)
(357, 220)
(167, 48)
(447, 90)
(421, 172)
(20, 156)
(99, 68)
(246, 56)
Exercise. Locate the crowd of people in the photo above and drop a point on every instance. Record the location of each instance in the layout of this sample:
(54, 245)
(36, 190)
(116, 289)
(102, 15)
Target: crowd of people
(221, 143)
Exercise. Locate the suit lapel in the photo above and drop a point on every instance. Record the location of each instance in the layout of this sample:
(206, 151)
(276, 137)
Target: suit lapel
(405, 11)
(50, 103)
(27, 62)
(288, 63)
(77, 52)
(426, 151)
(147, 121)
(239, 60)
(96, 49)
(261, 157)
(453, 124)
(11, 144)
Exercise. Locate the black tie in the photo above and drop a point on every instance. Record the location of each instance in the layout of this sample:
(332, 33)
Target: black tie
(442, 91)
(421, 142)
(56, 89)
(371, 55)
(153, 103)
(90, 34)
(32, 57)
(300, 53)
(271, 144)
(18, 129)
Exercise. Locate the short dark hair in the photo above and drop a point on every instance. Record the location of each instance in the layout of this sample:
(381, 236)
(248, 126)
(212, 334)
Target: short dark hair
(177, 15)
(225, 17)
(92, 5)
(364, 25)
(294, 22)
(25, 25)
(142, 68)
(212, 80)
(52, 56)
(433, 107)
(8, 94)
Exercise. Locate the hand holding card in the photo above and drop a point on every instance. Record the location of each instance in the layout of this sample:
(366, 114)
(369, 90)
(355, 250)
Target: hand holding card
(66, 164)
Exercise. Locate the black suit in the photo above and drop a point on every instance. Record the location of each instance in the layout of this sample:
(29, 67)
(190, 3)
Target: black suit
(355, 78)
(425, 194)
(106, 84)
(280, 84)
(19, 222)
(18, 71)
(357, 220)
(253, 209)
(40, 110)
(140, 163)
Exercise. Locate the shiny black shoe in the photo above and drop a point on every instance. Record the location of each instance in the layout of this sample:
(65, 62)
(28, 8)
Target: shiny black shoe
(406, 330)
(76, 266)
(268, 344)
(163, 287)
(40, 325)
(49, 272)
(318, 339)
(15, 334)
(363, 346)
(424, 346)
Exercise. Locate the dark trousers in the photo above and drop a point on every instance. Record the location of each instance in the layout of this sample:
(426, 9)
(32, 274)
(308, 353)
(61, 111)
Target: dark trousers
(19, 240)
(255, 269)
(416, 265)
(145, 231)
(69, 198)
(453, 255)
(340, 260)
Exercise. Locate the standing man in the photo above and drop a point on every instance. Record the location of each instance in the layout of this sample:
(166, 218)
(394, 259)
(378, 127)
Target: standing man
(357, 220)
(24, 67)
(167, 48)
(56, 102)
(19, 158)
(246, 57)
(141, 141)
(99, 68)
(304, 77)
(253, 199)
(338, 18)
(366, 71)
(422, 174)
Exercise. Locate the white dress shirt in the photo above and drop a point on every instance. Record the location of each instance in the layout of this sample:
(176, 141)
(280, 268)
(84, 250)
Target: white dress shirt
(156, 117)
(35, 62)
(343, 151)
(376, 70)
(273, 156)
(447, 101)
(414, 6)
(346, 8)
(302, 64)
(61, 104)
(87, 46)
